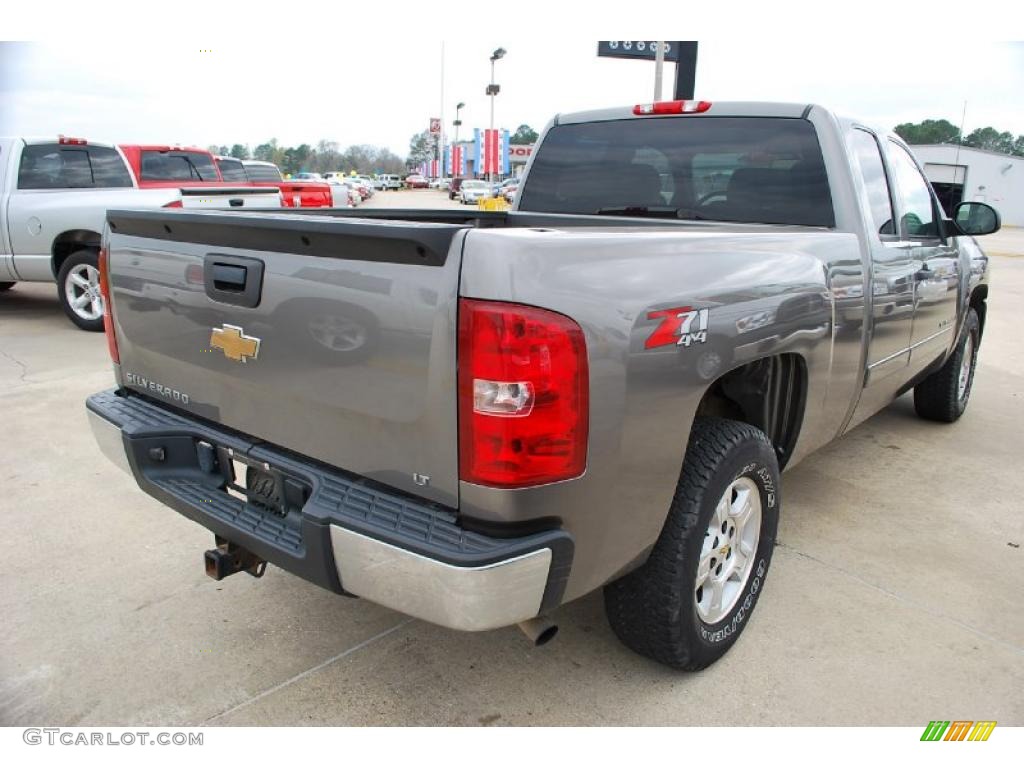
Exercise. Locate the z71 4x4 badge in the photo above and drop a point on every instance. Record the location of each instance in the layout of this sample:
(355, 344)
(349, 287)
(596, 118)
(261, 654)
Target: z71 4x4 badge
(682, 326)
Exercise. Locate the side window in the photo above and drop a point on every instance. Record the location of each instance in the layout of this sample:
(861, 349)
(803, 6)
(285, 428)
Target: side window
(108, 169)
(918, 211)
(51, 166)
(869, 159)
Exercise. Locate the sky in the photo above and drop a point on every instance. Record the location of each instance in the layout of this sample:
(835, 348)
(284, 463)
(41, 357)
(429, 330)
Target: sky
(357, 93)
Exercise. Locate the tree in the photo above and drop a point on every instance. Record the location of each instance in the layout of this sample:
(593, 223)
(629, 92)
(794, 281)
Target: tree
(296, 159)
(929, 132)
(524, 135)
(239, 151)
(421, 149)
(266, 151)
(991, 139)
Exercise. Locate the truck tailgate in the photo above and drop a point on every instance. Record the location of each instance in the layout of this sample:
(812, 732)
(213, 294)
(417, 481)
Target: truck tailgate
(230, 197)
(331, 338)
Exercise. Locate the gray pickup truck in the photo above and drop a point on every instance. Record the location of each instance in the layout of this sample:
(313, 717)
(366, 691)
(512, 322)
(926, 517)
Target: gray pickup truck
(475, 417)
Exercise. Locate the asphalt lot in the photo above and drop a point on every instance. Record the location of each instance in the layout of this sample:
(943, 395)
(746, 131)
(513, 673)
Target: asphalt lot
(896, 595)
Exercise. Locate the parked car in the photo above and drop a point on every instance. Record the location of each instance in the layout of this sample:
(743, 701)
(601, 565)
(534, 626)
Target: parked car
(346, 192)
(54, 195)
(473, 190)
(294, 193)
(416, 181)
(507, 189)
(391, 181)
(194, 171)
(308, 176)
(596, 390)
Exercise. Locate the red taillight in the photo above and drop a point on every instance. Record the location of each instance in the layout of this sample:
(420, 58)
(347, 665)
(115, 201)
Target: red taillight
(672, 108)
(108, 316)
(69, 140)
(173, 204)
(523, 395)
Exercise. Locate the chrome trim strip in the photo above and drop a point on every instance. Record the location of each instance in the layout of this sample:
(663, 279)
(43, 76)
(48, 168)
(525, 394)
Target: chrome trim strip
(911, 348)
(470, 599)
(947, 329)
(887, 358)
(109, 439)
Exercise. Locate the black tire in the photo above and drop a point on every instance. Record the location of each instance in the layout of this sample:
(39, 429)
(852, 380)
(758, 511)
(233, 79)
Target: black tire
(938, 398)
(76, 259)
(653, 610)
(6, 287)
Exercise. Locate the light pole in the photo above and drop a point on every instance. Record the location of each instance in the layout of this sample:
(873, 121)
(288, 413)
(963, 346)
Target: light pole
(457, 122)
(492, 91)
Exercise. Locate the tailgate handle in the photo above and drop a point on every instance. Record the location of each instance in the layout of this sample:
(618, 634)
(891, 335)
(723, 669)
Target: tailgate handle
(228, 278)
(234, 280)
(236, 202)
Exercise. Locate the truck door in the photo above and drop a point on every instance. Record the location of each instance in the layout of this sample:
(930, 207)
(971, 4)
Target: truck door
(936, 261)
(892, 273)
(6, 261)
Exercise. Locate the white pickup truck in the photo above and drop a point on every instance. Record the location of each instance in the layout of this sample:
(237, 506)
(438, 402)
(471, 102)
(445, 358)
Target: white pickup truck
(54, 197)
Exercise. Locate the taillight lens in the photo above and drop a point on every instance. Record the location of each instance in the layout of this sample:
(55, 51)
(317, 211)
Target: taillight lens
(672, 108)
(174, 204)
(523, 395)
(108, 316)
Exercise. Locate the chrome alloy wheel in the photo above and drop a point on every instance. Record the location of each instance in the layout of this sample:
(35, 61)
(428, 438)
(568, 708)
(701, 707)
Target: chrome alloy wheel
(965, 367)
(82, 290)
(727, 554)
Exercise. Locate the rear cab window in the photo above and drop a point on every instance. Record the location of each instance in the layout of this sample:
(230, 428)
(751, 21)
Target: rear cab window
(177, 165)
(59, 166)
(744, 169)
(262, 173)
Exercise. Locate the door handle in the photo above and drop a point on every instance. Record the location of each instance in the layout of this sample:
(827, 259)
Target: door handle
(234, 280)
(228, 278)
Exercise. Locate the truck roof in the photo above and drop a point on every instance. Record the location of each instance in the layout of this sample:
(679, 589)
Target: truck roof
(718, 108)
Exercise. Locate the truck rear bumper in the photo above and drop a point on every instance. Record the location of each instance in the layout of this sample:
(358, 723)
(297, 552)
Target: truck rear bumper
(335, 529)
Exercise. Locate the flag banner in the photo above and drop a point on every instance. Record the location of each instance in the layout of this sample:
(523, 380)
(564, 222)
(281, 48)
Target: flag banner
(478, 152)
(506, 166)
(492, 151)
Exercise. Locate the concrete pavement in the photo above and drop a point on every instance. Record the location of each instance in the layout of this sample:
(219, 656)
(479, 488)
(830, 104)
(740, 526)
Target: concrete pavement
(896, 595)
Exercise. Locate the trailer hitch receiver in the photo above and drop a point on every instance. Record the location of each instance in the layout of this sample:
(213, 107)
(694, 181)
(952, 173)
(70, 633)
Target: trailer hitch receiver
(228, 558)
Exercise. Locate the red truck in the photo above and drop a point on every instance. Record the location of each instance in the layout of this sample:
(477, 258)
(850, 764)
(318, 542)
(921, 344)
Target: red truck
(295, 193)
(157, 166)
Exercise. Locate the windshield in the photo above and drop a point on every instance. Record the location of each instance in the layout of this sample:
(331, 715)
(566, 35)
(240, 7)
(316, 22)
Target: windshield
(746, 169)
(474, 185)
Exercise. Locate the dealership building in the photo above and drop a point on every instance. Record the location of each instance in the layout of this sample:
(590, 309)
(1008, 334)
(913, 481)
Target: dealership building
(962, 173)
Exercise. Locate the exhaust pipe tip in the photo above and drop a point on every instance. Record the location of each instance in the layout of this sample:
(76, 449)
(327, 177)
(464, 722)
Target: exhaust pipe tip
(539, 631)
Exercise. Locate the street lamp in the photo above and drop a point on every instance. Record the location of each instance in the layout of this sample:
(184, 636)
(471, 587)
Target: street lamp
(457, 122)
(492, 91)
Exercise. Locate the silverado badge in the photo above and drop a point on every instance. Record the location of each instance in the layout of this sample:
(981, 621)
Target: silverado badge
(234, 343)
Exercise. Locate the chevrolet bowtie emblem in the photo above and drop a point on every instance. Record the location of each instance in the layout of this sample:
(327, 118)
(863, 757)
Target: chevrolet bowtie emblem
(235, 344)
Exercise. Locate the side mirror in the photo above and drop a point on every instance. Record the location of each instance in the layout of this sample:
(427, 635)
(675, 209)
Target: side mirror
(976, 218)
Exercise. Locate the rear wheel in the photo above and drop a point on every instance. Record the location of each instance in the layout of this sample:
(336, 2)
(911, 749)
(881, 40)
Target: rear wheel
(943, 396)
(690, 601)
(78, 286)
